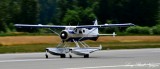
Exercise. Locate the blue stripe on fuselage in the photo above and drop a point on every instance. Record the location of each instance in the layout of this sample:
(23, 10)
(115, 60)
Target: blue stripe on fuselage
(71, 32)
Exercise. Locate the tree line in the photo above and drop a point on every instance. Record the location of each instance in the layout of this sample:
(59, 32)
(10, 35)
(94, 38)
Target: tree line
(77, 12)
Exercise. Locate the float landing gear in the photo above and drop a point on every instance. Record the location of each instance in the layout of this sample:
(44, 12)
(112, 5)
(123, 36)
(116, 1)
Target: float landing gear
(86, 56)
(63, 56)
(46, 55)
(70, 56)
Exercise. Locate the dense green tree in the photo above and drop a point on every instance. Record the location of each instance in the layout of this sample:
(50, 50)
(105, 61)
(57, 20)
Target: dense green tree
(79, 16)
(3, 16)
(9, 9)
(158, 16)
(62, 7)
(76, 12)
(140, 12)
(29, 11)
(71, 17)
(47, 11)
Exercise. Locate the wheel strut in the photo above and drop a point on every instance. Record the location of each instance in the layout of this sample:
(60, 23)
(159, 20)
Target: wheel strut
(46, 54)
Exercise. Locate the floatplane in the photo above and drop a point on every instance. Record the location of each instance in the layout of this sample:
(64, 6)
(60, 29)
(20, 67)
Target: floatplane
(76, 34)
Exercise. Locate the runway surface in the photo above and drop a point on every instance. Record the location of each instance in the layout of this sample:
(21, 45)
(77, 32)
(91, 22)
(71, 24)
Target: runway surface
(109, 59)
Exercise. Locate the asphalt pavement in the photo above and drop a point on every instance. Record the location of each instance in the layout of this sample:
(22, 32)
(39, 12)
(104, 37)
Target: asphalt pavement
(108, 59)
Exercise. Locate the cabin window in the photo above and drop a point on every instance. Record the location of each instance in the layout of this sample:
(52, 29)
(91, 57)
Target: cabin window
(83, 31)
(80, 32)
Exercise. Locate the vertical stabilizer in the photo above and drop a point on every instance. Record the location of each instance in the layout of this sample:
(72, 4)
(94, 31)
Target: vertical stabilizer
(95, 22)
(95, 30)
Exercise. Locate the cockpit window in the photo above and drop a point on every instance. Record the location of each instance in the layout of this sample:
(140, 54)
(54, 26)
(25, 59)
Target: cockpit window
(80, 32)
(75, 30)
(89, 28)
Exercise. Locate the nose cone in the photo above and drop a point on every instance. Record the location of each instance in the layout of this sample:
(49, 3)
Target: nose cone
(64, 35)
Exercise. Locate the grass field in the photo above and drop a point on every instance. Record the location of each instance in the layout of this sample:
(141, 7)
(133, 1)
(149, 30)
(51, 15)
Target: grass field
(13, 44)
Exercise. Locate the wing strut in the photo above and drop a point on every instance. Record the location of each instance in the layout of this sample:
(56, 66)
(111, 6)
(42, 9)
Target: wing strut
(54, 31)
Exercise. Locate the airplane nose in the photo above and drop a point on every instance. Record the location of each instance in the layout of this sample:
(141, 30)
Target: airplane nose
(64, 35)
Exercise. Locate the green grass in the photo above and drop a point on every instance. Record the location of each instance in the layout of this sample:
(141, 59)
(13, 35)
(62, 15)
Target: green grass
(106, 46)
(24, 48)
(25, 34)
(128, 45)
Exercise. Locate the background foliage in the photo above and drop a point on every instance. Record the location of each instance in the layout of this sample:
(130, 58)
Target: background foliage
(78, 12)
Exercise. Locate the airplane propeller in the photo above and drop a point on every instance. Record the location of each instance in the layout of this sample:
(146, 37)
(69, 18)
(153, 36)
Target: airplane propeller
(63, 35)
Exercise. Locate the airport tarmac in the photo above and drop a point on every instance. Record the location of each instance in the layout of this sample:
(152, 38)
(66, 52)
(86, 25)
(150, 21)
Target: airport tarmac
(108, 59)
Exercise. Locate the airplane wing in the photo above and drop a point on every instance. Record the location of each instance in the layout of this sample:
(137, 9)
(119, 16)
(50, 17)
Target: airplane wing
(105, 25)
(39, 26)
(81, 26)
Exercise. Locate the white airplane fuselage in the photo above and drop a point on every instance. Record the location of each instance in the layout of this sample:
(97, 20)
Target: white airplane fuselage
(79, 34)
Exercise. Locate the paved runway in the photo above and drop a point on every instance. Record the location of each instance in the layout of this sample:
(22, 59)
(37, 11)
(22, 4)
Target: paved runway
(110, 59)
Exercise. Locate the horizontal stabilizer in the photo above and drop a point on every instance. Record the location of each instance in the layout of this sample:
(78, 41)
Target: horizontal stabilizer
(108, 34)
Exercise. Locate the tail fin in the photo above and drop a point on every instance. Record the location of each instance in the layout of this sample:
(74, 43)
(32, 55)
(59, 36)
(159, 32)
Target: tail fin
(95, 22)
(97, 33)
(95, 30)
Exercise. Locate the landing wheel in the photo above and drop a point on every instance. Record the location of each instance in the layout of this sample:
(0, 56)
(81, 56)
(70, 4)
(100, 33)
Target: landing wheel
(63, 56)
(70, 56)
(86, 56)
(46, 55)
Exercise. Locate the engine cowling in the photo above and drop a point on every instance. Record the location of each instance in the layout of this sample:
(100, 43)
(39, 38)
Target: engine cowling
(64, 35)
